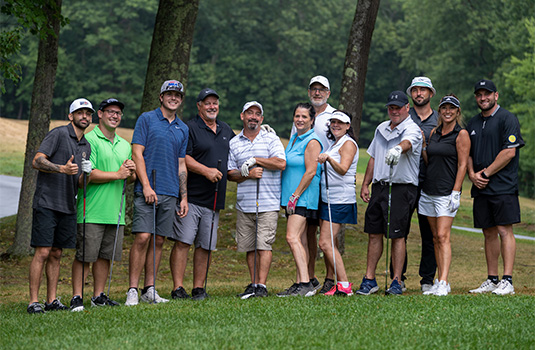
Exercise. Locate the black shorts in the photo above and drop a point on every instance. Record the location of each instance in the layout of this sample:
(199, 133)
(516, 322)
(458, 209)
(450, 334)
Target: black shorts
(376, 217)
(490, 211)
(52, 228)
(309, 214)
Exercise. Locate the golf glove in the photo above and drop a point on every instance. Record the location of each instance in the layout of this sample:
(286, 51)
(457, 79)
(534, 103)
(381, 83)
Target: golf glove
(245, 166)
(86, 166)
(455, 200)
(290, 208)
(268, 128)
(393, 155)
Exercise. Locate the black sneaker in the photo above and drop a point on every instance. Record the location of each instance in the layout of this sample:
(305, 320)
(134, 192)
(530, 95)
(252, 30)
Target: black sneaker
(179, 293)
(328, 284)
(198, 294)
(315, 283)
(249, 292)
(77, 304)
(103, 300)
(56, 305)
(35, 308)
(288, 292)
(260, 292)
(304, 290)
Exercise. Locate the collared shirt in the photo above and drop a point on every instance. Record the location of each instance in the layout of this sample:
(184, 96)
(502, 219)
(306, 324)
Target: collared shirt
(264, 145)
(426, 126)
(165, 142)
(321, 126)
(406, 171)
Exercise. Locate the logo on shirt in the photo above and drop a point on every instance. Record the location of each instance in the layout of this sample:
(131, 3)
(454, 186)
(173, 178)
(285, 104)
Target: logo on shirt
(512, 138)
(473, 133)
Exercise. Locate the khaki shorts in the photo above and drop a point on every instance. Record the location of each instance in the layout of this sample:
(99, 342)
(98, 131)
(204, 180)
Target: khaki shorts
(246, 228)
(99, 241)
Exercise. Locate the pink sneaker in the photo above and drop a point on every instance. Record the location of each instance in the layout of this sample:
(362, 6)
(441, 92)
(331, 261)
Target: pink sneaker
(347, 291)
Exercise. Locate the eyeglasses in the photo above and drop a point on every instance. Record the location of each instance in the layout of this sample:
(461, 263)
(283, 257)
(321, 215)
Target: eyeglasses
(320, 90)
(117, 113)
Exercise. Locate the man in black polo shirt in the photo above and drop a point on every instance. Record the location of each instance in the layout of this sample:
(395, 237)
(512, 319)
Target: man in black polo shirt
(61, 158)
(208, 144)
(493, 169)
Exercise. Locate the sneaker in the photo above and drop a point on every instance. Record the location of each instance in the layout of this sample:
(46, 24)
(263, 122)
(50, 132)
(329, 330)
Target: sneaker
(328, 284)
(77, 304)
(132, 297)
(315, 283)
(395, 288)
(56, 305)
(199, 294)
(426, 287)
(485, 287)
(504, 287)
(288, 292)
(103, 300)
(179, 293)
(35, 308)
(442, 288)
(341, 290)
(151, 296)
(249, 292)
(403, 288)
(304, 290)
(261, 292)
(367, 286)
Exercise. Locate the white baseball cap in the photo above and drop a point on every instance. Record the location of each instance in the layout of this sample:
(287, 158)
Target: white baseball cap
(421, 81)
(172, 85)
(79, 104)
(341, 116)
(251, 104)
(320, 79)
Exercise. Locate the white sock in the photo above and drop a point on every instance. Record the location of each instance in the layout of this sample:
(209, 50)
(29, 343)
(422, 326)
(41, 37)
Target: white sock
(344, 284)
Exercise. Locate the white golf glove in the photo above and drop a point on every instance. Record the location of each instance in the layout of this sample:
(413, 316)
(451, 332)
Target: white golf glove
(268, 128)
(86, 166)
(393, 155)
(455, 200)
(245, 166)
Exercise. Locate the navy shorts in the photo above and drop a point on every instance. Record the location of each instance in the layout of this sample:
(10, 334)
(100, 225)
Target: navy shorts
(340, 213)
(52, 228)
(490, 211)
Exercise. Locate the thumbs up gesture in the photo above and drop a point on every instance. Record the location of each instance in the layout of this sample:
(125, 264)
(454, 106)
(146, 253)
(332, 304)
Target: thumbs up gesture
(70, 168)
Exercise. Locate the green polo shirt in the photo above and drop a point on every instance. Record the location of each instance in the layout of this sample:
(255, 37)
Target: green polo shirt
(103, 200)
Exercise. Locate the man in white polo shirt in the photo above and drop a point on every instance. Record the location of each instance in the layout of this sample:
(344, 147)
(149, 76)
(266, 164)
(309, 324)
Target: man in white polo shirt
(256, 158)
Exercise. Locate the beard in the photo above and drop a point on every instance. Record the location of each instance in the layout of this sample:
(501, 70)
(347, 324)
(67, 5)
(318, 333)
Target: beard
(490, 106)
(421, 104)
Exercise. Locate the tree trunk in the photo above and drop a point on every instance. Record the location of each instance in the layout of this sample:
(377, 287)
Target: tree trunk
(170, 48)
(39, 123)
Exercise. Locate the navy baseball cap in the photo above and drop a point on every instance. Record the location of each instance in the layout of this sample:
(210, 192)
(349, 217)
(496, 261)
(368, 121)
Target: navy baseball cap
(486, 85)
(451, 100)
(205, 93)
(397, 98)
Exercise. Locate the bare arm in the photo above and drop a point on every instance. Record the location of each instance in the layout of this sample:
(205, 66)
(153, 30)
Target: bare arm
(183, 187)
(126, 171)
(405, 146)
(502, 159)
(41, 163)
(141, 171)
(347, 153)
(463, 152)
(212, 174)
(312, 152)
(368, 177)
(273, 163)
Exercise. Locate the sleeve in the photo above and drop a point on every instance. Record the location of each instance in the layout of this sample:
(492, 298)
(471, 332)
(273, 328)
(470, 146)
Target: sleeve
(371, 148)
(232, 163)
(276, 149)
(184, 145)
(50, 143)
(511, 136)
(140, 131)
(93, 155)
(414, 136)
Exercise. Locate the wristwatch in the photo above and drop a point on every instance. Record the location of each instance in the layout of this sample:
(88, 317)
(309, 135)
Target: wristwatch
(484, 175)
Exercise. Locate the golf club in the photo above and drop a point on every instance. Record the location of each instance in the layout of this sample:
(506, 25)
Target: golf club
(212, 228)
(331, 228)
(116, 234)
(154, 237)
(387, 258)
(83, 231)
(256, 235)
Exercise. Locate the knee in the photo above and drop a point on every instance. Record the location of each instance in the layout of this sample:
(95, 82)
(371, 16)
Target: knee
(324, 244)
(292, 239)
(55, 253)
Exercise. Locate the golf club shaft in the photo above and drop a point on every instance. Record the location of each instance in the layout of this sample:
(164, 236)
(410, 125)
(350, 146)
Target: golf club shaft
(387, 258)
(212, 228)
(154, 237)
(256, 232)
(116, 234)
(83, 236)
(330, 222)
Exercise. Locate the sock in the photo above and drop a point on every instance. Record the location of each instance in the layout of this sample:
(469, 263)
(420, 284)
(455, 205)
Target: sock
(133, 288)
(261, 285)
(508, 278)
(494, 279)
(344, 284)
(329, 279)
(145, 289)
(306, 284)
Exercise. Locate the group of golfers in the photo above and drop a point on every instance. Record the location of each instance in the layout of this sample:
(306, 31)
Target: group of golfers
(418, 161)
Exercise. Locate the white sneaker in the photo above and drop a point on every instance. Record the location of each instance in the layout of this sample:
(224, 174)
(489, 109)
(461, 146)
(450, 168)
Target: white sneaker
(430, 290)
(151, 295)
(442, 289)
(485, 287)
(504, 287)
(403, 287)
(131, 297)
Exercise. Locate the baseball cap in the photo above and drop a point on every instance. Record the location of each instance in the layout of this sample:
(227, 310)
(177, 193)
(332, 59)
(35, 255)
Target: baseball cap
(485, 84)
(110, 102)
(172, 85)
(79, 104)
(251, 104)
(397, 98)
(320, 79)
(451, 100)
(205, 93)
(421, 81)
(341, 116)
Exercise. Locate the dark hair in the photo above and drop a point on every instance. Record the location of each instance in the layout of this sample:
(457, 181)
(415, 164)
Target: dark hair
(459, 118)
(349, 132)
(311, 110)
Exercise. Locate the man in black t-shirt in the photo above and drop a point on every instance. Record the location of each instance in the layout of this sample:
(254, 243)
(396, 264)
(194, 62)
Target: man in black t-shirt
(493, 169)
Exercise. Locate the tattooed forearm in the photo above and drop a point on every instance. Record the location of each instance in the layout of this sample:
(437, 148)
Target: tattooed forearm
(183, 183)
(44, 165)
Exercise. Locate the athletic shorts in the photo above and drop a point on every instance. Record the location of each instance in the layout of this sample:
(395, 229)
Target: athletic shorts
(340, 213)
(52, 228)
(435, 206)
(490, 211)
(310, 214)
(376, 217)
(246, 229)
(196, 227)
(143, 216)
(99, 242)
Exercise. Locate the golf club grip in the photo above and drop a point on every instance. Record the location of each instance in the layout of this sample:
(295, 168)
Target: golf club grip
(326, 177)
(219, 169)
(154, 180)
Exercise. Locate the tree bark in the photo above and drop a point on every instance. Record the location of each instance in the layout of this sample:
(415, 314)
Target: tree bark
(39, 123)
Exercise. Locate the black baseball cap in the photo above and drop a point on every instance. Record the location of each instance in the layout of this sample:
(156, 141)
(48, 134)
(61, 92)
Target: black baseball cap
(109, 102)
(205, 93)
(397, 98)
(486, 85)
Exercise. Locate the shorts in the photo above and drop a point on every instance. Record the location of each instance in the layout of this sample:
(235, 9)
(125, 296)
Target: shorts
(246, 228)
(490, 211)
(99, 242)
(435, 206)
(52, 228)
(197, 227)
(340, 213)
(376, 217)
(143, 216)
(310, 214)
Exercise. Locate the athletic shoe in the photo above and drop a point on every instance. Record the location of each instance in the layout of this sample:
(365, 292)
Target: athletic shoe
(403, 288)
(198, 294)
(341, 290)
(77, 304)
(485, 287)
(56, 305)
(249, 292)
(328, 284)
(395, 288)
(304, 290)
(288, 292)
(261, 292)
(132, 297)
(315, 283)
(426, 287)
(367, 286)
(151, 296)
(504, 287)
(35, 308)
(103, 300)
(179, 293)
(442, 288)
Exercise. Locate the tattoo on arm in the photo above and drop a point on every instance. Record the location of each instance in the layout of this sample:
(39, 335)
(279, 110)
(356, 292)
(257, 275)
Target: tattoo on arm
(46, 166)
(183, 183)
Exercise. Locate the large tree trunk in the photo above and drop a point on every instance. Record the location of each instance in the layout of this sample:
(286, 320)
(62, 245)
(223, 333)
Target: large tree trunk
(170, 48)
(39, 123)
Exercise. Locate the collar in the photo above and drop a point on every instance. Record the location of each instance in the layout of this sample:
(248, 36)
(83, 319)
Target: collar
(99, 134)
